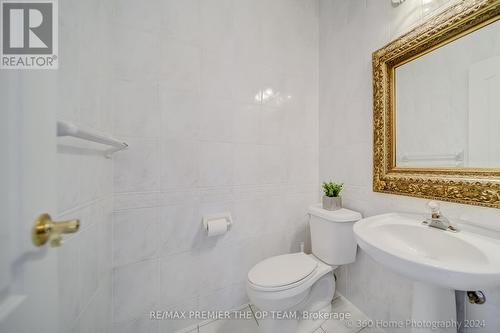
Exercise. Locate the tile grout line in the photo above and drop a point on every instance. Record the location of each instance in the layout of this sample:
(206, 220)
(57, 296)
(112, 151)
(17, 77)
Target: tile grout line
(253, 314)
(361, 329)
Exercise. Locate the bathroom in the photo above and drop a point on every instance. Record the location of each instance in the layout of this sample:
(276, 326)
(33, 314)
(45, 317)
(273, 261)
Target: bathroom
(234, 113)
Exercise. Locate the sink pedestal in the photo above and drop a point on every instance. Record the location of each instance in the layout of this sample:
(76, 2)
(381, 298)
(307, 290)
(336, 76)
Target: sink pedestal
(433, 305)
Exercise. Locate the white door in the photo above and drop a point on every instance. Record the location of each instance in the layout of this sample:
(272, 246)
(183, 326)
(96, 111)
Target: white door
(28, 274)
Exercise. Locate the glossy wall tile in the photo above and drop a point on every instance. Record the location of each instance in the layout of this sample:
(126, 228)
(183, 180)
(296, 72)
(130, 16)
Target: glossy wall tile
(218, 100)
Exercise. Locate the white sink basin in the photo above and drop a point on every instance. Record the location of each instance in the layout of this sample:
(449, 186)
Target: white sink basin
(457, 260)
(439, 262)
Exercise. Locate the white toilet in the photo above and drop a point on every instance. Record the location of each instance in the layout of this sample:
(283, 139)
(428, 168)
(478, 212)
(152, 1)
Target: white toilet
(289, 284)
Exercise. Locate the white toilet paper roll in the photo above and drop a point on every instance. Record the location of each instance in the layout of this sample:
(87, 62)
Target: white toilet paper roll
(216, 227)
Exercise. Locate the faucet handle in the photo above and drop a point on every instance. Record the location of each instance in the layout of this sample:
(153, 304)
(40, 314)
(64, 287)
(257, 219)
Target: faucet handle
(437, 220)
(434, 207)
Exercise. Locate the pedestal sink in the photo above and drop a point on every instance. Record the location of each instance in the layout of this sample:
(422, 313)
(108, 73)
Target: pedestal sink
(439, 261)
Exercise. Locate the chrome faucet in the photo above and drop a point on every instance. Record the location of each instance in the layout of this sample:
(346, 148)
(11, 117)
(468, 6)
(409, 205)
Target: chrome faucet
(437, 220)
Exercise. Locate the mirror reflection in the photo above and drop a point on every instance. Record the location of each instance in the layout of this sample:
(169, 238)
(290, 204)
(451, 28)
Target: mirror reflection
(447, 104)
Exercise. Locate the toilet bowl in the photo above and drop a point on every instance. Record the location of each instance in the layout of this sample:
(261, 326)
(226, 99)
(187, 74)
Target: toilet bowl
(294, 291)
(288, 285)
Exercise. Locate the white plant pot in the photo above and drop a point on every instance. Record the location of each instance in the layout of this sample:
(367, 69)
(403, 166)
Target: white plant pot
(332, 203)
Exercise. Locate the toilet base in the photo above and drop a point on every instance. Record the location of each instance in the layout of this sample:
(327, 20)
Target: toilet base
(308, 313)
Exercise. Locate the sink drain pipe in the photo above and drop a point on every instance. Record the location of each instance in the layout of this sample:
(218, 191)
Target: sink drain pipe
(476, 297)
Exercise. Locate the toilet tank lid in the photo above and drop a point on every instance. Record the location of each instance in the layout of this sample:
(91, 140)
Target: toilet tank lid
(339, 215)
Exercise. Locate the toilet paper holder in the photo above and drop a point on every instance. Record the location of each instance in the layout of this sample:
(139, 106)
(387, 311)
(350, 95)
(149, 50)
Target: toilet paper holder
(225, 215)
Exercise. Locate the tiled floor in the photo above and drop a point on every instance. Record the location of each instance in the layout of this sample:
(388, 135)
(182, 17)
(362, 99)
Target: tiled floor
(340, 305)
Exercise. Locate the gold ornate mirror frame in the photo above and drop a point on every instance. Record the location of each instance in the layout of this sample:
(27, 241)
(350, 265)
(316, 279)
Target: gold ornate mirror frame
(473, 186)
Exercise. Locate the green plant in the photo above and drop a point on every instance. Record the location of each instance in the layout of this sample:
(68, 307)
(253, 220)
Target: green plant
(332, 189)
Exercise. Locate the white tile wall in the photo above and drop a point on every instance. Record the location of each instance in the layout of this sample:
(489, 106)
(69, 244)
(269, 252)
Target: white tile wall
(349, 32)
(136, 235)
(140, 325)
(135, 290)
(145, 103)
(138, 169)
(180, 113)
(219, 102)
(188, 97)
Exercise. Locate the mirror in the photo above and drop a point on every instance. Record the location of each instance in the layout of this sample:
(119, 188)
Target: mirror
(447, 104)
(436, 108)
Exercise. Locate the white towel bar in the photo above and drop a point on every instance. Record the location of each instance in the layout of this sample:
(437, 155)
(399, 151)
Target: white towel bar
(458, 156)
(65, 128)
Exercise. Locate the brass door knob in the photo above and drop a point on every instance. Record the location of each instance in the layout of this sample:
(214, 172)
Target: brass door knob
(45, 229)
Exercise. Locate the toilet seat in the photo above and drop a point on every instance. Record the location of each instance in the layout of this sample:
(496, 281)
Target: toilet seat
(288, 296)
(283, 272)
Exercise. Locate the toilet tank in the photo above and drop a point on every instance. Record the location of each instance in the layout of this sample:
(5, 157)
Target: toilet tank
(332, 238)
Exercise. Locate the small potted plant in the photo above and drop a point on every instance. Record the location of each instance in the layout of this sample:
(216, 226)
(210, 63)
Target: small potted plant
(331, 197)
